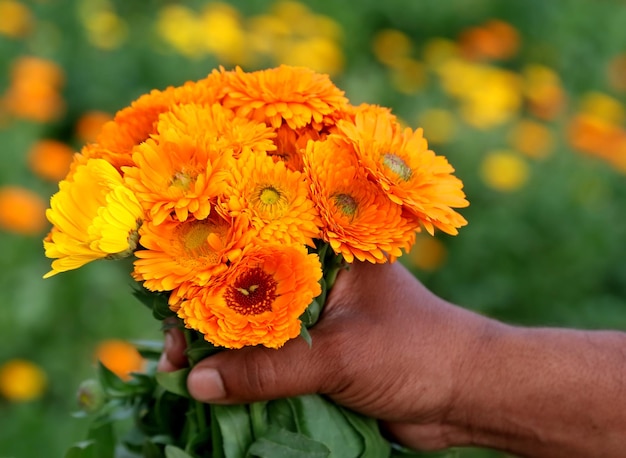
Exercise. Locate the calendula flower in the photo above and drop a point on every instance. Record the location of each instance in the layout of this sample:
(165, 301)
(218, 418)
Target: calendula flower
(260, 300)
(358, 219)
(22, 380)
(296, 96)
(50, 159)
(120, 357)
(22, 211)
(290, 145)
(411, 174)
(178, 172)
(274, 199)
(134, 124)
(191, 251)
(94, 216)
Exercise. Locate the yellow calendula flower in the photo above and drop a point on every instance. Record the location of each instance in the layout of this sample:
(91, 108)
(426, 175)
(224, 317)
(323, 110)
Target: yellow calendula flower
(260, 299)
(94, 216)
(22, 380)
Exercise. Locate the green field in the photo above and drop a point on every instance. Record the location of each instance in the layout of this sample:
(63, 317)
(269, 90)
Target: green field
(524, 97)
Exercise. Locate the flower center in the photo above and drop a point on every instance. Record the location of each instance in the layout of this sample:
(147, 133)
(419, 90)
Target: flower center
(346, 204)
(397, 165)
(269, 196)
(182, 180)
(252, 293)
(202, 238)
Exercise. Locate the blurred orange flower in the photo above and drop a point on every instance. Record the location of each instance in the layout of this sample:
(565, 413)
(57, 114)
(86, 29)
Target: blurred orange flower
(90, 124)
(260, 299)
(22, 211)
(50, 159)
(34, 90)
(531, 138)
(120, 357)
(495, 39)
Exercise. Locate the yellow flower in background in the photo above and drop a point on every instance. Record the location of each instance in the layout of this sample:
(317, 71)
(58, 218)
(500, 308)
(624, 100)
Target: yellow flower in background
(22, 380)
(318, 53)
(193, 251)
(21, 211)
(504, 170)
(392, 46)
(179, 27)
(411, 174)
(296, 96)
(15, 19)
(223, 34)
(120, 357)
(259, 301)
(532, 138)
(408, 76)
(543, 90)
(94, 216)
(50, 159)
(358, 218)
(274, 199)
(616, 72)
(439, 125)
(437, 51)
(427, 253)
(602, 106)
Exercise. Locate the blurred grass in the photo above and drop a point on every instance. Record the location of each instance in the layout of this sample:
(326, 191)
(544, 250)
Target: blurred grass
(550, 252)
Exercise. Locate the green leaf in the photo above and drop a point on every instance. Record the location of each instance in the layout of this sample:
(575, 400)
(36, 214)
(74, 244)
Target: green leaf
(103, 438)
(149, 349)
(83, 449)
(157, 302)
(151, 450)
(112, 384)
(280, 443)
(235, 429)
(172, 451)
(174, 382)
(375, 445)
(322, 420)
(304, 333)
(199, 349)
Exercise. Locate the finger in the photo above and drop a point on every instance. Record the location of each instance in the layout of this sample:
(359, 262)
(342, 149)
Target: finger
(173, 356)
(259, 373)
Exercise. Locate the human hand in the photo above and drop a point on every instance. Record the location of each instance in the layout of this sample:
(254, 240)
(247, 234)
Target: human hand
(385, 346)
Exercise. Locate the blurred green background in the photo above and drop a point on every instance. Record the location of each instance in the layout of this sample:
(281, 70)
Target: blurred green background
(524, 97)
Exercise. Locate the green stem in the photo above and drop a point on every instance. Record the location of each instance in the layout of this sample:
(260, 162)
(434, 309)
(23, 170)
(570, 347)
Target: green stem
(198, 407)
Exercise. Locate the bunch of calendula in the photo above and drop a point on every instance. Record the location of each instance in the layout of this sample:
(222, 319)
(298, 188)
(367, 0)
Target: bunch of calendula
(240, 197)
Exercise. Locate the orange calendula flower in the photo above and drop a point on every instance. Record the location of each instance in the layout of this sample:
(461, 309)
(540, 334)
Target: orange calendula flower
(260, 300)
(134, 124)
(290, 145)
(177, 172)
(190, 251)
(120, 357)
(296, 96)
(94, 216)
(22, 211)
(50, 159)
(411, 174)
(274, 199)
(359, 220)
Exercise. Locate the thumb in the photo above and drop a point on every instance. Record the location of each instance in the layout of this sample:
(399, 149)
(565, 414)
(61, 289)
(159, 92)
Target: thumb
(258, 373)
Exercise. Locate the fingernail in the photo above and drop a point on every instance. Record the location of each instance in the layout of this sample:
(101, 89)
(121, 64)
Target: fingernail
(169, 341)
(206, 384)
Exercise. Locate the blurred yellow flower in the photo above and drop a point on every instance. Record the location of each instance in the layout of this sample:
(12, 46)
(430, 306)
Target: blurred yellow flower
(15, 19)
(120, 357)
(318, 53)
(22, 380)
(616, 72)
(531, 138)
(504, 170)
(21, 211)
(104, 226)
(223, 34)
(439, 125)
(427, 253)
(179, 27)
(408, 76)
(50, 159)
(392, 46)
(602, 106)
(437, 51)
(544, 92)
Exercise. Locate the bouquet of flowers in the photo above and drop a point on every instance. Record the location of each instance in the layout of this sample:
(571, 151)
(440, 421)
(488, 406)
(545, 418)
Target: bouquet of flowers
(240, 197)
